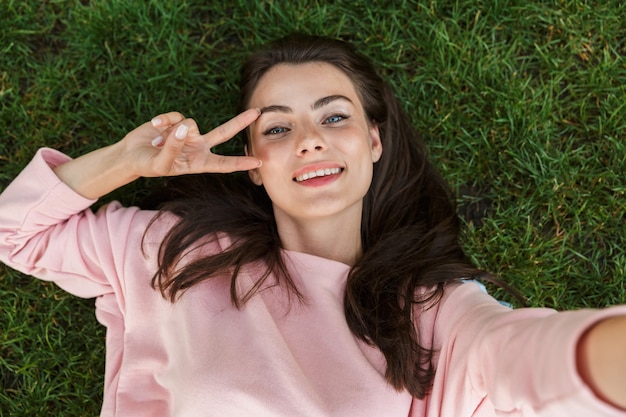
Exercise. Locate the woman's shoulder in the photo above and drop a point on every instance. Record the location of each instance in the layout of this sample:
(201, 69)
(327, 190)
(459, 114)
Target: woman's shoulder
(457, 300)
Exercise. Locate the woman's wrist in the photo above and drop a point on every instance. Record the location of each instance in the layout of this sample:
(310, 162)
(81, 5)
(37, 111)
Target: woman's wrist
(97, 173)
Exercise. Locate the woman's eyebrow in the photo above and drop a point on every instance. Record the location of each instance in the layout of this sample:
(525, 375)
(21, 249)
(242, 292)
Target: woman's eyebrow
(327, 100)
(276, 108)
(317, 105)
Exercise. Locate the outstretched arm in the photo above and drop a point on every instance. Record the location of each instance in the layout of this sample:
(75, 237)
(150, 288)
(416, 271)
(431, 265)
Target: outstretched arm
(168, 145)
(602, 360)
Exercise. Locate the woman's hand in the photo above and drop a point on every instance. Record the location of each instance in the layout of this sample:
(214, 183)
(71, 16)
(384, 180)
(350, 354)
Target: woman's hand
(168, 145)
(601, 357)
(172, 145)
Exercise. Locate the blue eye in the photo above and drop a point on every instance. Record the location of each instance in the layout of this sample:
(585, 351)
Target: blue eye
(275, 131)
(335, 118)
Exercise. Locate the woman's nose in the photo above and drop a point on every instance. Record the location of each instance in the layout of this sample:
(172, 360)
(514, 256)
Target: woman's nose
(310, 141)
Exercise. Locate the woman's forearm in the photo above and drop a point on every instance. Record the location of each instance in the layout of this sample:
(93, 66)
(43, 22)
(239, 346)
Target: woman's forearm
(96, 173)
(602, 360)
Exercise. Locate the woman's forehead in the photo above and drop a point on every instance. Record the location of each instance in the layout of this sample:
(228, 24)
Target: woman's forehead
(294, 81)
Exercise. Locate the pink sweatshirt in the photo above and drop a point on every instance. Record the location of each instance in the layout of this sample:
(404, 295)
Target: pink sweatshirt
(202, 357)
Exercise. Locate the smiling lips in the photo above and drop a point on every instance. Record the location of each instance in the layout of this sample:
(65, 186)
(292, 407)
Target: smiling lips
(317, 173)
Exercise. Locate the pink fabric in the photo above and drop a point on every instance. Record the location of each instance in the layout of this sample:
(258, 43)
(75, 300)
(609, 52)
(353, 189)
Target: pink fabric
(201, 356)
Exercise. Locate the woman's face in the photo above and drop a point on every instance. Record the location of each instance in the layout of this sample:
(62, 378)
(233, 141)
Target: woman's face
(315, 142)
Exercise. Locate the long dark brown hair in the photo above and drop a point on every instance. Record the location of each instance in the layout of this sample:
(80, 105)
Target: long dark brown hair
(410, 228)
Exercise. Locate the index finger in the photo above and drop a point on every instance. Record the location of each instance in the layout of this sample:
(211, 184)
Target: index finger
(226, 131)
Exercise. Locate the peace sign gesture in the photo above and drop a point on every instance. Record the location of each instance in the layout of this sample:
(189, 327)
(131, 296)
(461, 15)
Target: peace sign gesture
(168, 145)
(176, 147)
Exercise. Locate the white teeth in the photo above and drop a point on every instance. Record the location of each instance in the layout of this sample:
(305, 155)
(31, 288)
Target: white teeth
(318, 173)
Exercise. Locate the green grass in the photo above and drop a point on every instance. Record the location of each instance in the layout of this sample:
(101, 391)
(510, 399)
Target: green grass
(522, 103)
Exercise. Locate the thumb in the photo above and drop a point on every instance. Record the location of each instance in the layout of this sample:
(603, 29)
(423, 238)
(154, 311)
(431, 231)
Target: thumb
(171, 149)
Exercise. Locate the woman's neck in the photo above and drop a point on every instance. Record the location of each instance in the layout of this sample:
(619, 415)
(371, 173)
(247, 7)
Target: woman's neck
(337, 238)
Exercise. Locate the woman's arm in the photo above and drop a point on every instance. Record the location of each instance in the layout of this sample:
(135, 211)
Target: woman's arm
(601, 357)
(524, 361)
(45, 227)
(168, 145)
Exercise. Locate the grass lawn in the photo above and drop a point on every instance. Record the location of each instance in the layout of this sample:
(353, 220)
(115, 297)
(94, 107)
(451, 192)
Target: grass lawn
(523, 104)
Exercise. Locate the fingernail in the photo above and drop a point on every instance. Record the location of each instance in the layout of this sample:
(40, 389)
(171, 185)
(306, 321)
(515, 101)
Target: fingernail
(258, 111)
(156, 121)
(260, 163)
(157, 141)
(181, 132)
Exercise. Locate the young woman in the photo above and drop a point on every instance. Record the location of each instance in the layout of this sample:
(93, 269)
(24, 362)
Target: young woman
(327, 280)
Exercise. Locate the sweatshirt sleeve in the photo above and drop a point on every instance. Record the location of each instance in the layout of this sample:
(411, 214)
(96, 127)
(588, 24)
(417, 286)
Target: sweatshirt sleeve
(47, 230)
(517, 362)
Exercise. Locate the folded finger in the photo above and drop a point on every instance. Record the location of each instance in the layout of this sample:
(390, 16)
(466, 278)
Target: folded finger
(172, 142)
(166, 120)
(182, 130)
